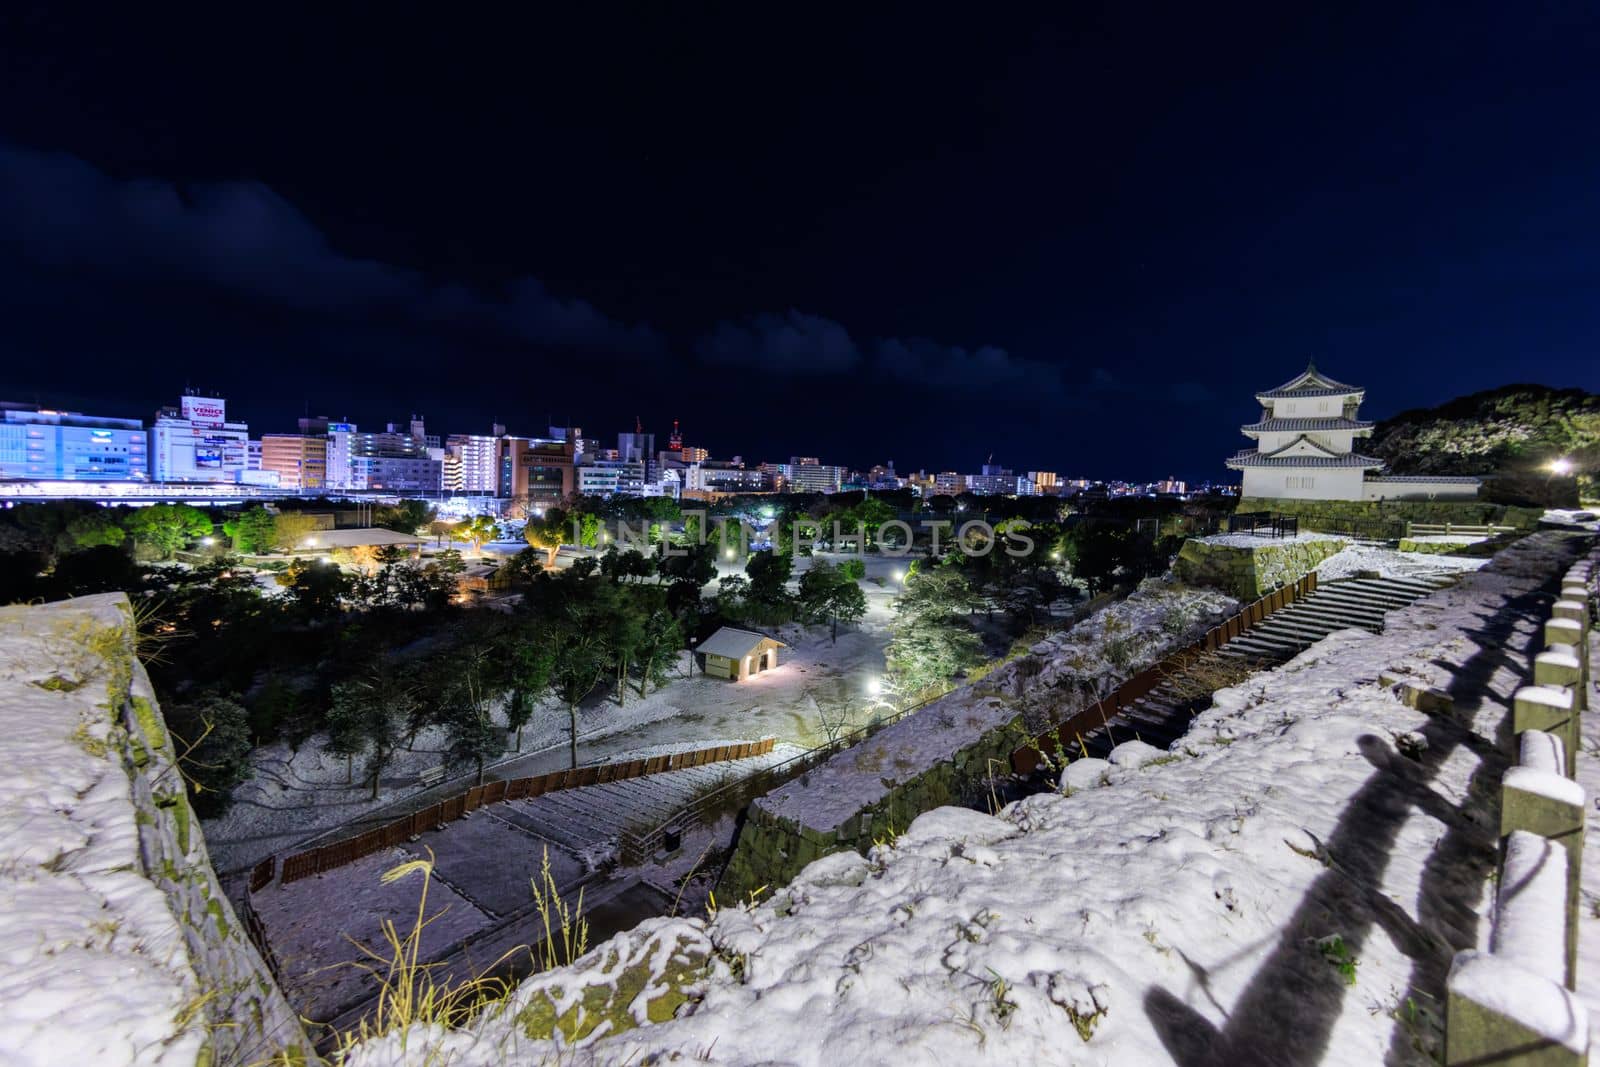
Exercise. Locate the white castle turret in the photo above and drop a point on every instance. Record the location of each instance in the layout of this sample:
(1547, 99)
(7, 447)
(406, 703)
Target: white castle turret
(1305, 448)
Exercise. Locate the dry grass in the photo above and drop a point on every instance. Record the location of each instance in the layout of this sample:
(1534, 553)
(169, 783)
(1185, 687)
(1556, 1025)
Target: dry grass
(409, 994)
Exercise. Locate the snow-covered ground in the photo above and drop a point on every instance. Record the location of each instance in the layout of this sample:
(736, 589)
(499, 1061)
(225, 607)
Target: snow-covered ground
(1067, 670)
(1288, 887)
(1254, 540)
(1388, 563)
(294, 794)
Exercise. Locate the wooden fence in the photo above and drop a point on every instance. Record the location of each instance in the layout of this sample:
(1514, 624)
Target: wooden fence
(1027, 759)
(263, 873)
(338, 853)
(1448, 529)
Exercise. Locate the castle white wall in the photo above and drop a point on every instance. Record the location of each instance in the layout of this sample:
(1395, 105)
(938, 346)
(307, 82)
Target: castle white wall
(1325, 483)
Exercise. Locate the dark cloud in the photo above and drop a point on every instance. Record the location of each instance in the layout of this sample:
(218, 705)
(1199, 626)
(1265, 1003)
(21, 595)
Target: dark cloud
(799, 344)
(245, 239)
(790, 343)
(952, 367)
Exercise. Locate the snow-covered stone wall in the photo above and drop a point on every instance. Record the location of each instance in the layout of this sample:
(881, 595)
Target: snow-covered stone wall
(117, 945)
(946, 752)
(1248, 567)
(1329, 514)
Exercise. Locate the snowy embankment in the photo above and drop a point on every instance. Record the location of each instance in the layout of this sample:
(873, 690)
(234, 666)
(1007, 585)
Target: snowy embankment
(1386, 563)
(1287, 888)
(1062, 672)
(116, 943)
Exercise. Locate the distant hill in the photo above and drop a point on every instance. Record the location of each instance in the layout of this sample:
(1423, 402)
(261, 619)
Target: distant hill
(1513, 430)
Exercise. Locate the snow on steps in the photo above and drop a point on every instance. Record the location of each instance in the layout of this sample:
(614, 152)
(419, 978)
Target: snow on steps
(1161, 717)
(1183, 911)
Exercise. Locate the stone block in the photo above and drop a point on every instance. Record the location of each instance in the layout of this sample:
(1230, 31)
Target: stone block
(1499, 1013)
(1557, 667)
(1562, 632)
(1549, 710)
(1575, 610)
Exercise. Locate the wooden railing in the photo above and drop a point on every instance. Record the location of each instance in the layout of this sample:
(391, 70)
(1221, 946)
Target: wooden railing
(1533, 941)
(1449, 529)
(1029, 757)
(338, 853)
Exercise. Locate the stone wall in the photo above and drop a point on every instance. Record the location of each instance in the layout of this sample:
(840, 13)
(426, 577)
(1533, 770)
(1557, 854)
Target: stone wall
(772, 849)
(1329, 515)
(945, 753)
(1248, 572)
(120, 944)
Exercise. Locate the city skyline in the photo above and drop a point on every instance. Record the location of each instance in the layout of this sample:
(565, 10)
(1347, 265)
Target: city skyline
(986, 478)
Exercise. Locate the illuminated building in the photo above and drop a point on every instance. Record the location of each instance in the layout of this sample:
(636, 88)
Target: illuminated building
(195, 442)
(299, 460)
(67, 446)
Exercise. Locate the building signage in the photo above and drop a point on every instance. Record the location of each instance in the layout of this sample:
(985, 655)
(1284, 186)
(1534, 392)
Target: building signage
(204, 410)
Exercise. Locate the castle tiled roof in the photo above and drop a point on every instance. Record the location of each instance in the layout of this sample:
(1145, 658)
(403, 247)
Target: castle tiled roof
(1252, 458)
(1311, 382)
(1335, 422)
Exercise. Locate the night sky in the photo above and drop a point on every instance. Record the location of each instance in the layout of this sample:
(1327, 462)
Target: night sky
(1078, 242)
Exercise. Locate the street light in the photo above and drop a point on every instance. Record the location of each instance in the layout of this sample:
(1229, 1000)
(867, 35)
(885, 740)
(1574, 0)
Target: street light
(1562, 466)
(208, 541)
(897, 575)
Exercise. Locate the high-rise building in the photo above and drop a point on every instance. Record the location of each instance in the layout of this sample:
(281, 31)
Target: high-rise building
(538, 472)
(398, 459)
(611, 477)
(804, 474)
(675, 442)
(68, 446)
(341, 450)
(993, 481)
(472, 463)
(712, 477)
(195, 442)
(397, 474)
(299, 460)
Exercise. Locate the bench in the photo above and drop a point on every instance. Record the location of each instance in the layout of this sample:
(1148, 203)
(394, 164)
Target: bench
(431, 776)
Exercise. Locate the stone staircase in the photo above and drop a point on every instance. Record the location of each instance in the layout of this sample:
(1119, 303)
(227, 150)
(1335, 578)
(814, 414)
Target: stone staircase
(1162, 715)
(596, 816)
(1353, 603)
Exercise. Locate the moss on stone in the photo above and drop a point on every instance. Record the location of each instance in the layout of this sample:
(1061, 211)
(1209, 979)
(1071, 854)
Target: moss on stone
(57, 684)
(610, 1001)
(180, 822)
(144, 713)
(1248, 572)
(214, 909)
